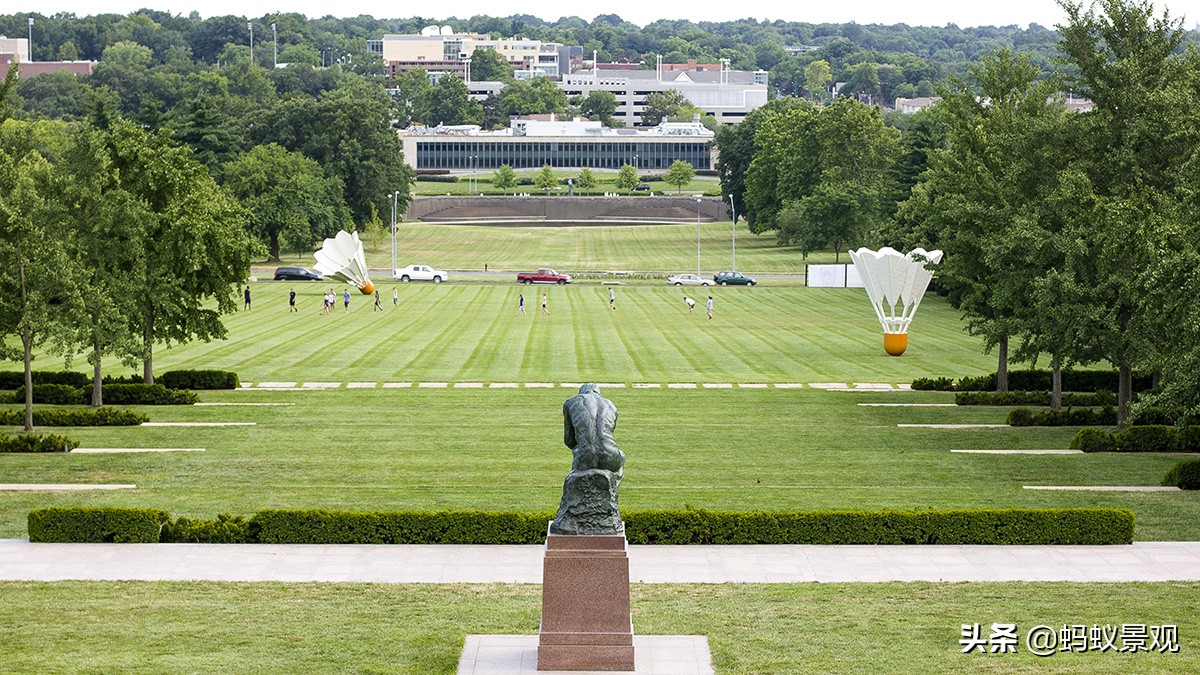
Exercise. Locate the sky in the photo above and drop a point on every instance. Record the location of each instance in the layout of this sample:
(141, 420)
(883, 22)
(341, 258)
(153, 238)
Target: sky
(918, 13)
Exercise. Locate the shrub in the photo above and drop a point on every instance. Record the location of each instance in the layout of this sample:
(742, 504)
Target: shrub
(1185, 475)
(1020, 417)
(1093, 440)
(1041, 398)
(37, 443)
(16, 379)
(199, 379)
(54, 394)
(1148, 438)
(146, 394)
(1144, 416)
(979, 526)
(90, 417)
(933, 384)
(96, 525)
(438, 179)
(226, 529)
(122, 379)
(1187, 439)
(1070, 417)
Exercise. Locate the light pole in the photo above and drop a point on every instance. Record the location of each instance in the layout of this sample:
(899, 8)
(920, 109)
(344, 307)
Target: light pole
(635, 161)
(732, 236)
(275, 45)
(395, 195)
(697, 236)
(29, 55)
(250, 26)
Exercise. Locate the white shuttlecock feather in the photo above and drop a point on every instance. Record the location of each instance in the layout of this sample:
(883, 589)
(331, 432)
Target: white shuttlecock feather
(342, 258)
(894, 281)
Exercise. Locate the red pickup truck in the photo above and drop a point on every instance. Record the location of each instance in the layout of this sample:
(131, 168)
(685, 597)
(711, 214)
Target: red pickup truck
(543, 276)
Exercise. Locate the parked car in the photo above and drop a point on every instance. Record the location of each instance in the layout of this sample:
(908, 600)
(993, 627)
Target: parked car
(297, 274)
(420, 273)
(643, 187)
(688, 280)
(544, 275)
(734, 279)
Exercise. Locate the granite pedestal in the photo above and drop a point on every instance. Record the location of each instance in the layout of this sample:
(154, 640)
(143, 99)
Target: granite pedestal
(585, 604)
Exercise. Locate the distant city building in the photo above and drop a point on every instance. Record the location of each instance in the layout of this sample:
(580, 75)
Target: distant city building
(528, 144)
(18, 47)
(34, 68)
(728, 95)
(442, 50)
(799, 49)
(909, 106)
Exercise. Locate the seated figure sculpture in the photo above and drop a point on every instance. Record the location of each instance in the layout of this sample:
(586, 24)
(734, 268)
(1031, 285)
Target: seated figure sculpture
(589, 500)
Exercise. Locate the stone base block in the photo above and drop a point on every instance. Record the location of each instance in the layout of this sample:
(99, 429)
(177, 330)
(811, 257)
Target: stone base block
(518, 655)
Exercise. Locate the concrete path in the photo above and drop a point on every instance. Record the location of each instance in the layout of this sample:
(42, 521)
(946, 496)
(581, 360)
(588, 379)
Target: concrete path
(1145, 561)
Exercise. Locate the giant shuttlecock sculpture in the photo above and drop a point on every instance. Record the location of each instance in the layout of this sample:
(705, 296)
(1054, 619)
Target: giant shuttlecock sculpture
(893, 280)
(342, 258)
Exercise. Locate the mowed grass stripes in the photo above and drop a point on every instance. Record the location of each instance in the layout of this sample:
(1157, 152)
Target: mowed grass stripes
(471, 332)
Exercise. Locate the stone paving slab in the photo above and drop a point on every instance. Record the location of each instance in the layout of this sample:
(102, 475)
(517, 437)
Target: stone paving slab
(539, 385)
(360, 385)
(468, 385)
(51, 487)
(197, 424)
(1020, 452)
(105, 451)
(788, 385)
(681, 385)
(827, 385)
(243, 404)
(752, 385)
(908, 405)
(397, 385)
(1142, 561)
(647, 385)
(1106, 488)
(321, 385)
(433, 385)
(277, 385)
(872, 385)
(652, 655)
(503, 385)
(954, 426)
(717, 385)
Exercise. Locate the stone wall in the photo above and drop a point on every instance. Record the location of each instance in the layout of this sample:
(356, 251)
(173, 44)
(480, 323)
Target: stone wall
(597, 210)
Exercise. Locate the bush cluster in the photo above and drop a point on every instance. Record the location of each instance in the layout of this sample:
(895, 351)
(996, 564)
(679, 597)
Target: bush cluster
(1070, 417)
(54, 394)
(199, 379)
(1099, 398)
(97, 525)
(1035, 380)
(88, 417)
(117, 394)
(1184, 475)
(10, 379)
(37, 443)
(438, 179)
(1144, 438)
(977, 526)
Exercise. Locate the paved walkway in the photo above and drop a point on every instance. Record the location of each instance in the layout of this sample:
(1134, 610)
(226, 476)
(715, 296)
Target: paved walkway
(1145, 561)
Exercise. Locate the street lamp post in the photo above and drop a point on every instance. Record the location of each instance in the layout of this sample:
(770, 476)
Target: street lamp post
(275, 45)
(635, 161)
(395, 195)
(697, 236)
(29, 50)
(250, 26)
(732, 235)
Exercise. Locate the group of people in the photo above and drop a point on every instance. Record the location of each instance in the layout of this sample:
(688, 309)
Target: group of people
(691, 305)
(612, 303)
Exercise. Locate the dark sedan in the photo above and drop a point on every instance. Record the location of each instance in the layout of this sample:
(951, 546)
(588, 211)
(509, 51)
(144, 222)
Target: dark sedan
(734, 279)
(297, 274)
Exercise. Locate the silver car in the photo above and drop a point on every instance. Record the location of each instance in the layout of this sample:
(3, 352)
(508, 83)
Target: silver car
(688, 280)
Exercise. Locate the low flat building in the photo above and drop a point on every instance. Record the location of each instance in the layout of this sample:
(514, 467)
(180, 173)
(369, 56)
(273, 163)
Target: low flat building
(728, 95)
(34, 68)
(529, 144)
(443, 50)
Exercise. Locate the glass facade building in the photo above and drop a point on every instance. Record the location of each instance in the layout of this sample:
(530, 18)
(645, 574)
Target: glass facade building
(531, 152)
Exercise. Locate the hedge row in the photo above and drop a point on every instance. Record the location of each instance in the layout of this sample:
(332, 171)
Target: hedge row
(1184, 475)
(117, 394)
(1071, 417)
(88, 417)
(1035, 380)
(1145, 438)
(172, 379)
(979, 526)
(37, 443)
(1042, 398)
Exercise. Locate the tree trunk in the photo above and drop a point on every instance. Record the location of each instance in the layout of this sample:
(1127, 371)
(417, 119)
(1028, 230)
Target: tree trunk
(1002, 365)
(274, 246)
(1156, 379)
(27, 343)
(1056, 382)
(1124, 394)
(148, 342)
(97, 380)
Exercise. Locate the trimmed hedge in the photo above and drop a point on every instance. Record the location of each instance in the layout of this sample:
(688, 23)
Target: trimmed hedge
(114, 393)
(97, 525)
(1184, 475)
(978, 526)
(199, 379)
(1149, 438)
(1035, 380)
(1093, 440)
(1071, 417)
(37, 443)
(88, 417)
(54, 394)
(10, 379)
(1041, 398)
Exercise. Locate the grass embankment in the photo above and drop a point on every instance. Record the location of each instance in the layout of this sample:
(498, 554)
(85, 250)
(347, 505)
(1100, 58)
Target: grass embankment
(643, 249)
(881, 628)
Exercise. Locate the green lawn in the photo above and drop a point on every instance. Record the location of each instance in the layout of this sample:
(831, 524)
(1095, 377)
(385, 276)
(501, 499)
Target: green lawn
(657, 249)
(138, 627)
